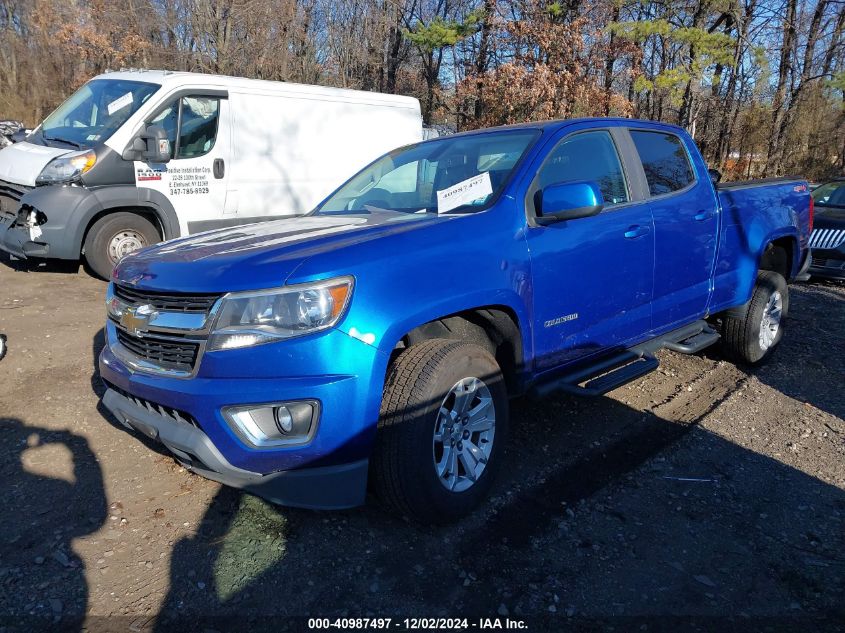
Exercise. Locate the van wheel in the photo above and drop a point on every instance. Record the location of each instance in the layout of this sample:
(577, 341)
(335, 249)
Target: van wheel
(114, 236)
(442, 429)
(750, 334)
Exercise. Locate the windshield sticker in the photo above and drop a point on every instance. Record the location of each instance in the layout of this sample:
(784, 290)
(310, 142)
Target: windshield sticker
(119, 103)
(471, 190)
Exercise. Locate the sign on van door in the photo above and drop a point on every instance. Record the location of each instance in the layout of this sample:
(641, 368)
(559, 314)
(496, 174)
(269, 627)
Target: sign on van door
(194, 181)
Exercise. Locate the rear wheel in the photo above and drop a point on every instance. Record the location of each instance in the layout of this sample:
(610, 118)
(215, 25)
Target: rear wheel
(443, 426)
(751, 334)
(114, 236)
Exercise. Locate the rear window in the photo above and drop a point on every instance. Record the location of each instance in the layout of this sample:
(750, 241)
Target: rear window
(667, 167)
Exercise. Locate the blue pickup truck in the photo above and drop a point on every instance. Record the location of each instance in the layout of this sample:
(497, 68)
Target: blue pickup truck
(377, 340)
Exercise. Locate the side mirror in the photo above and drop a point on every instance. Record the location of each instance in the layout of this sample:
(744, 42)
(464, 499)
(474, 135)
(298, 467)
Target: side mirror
(151, 146)
(568, 201)
(715, 175)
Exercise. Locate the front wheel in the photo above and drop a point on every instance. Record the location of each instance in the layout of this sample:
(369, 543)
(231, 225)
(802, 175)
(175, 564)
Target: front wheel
(114, 236)
(751, 333)
(442, 429)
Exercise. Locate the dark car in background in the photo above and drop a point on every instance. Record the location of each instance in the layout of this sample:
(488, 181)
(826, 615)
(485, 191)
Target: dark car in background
(828, 239)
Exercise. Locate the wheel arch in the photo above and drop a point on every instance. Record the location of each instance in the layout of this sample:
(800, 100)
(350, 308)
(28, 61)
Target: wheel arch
(497, 328)
(779, 255)
(147, 203)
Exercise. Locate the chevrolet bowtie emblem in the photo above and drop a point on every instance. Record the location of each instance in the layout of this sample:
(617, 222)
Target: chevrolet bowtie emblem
(136, 320)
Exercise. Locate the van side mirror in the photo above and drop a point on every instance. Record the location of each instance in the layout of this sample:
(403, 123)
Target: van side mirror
(151, 146)
(568, 201)
(715, 175)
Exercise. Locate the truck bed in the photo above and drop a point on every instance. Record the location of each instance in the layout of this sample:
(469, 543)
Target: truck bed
(749, 210)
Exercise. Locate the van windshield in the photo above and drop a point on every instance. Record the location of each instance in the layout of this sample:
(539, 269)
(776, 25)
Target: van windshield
(95, 111)
(457, 174)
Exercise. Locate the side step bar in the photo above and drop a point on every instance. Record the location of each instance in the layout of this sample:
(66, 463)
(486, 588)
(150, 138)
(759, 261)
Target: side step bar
(601, 377)
(611, 372)
(696, 343)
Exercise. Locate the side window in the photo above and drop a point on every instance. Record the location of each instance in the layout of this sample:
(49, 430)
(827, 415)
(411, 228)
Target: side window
(667, 167)
(197, 126)
(587, 156)
(193, 122)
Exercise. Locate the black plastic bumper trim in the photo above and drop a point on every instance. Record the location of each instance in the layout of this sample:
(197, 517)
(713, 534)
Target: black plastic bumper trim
(324, 488)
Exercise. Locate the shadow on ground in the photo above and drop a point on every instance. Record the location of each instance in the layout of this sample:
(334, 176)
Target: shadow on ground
(814, 370)
(57, 510)
(614, 531)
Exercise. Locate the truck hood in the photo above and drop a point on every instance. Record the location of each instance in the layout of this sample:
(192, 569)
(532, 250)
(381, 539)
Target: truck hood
(255, 256)
(22, 162)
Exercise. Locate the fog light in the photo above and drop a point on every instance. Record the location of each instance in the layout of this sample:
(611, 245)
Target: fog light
(280, 424)
(284, 420)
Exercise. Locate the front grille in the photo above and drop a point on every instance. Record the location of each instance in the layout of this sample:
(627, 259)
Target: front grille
(10, 197)
(169, 353)
(180, 417)
(827, 238)
(167, 301)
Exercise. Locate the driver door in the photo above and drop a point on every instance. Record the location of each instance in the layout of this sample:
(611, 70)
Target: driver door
(592, 276)
(195, 180)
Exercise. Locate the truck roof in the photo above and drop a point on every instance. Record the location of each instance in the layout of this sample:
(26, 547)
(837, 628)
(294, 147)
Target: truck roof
(554, 124)
(168, 78)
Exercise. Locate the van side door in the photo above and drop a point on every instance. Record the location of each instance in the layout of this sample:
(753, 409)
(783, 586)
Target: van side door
(592, 276)
(195, 180)
(686, 225)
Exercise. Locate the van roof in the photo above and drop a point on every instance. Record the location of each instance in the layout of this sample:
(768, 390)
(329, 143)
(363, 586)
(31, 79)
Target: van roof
(168, 78)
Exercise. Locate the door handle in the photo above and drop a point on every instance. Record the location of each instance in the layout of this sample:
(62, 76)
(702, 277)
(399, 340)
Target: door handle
(219, 168)
(636, 231)
(703, 215)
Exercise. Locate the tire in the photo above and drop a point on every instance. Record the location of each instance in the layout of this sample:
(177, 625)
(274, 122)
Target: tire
(741, 328)
(404, 467)
(101, 253)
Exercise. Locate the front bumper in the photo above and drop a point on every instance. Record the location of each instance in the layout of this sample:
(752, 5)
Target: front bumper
(828, 263)
(343, 374)
(329, 487)
(18, 242)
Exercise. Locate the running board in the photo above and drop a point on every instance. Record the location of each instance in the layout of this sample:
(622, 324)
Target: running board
(696, 343)
(599, 378)
(611, 372)
(688, 339)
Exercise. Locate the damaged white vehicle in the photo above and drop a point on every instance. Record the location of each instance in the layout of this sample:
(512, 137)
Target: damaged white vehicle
(137, 157)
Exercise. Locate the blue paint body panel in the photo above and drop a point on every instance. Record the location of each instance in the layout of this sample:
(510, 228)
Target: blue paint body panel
(576, 288)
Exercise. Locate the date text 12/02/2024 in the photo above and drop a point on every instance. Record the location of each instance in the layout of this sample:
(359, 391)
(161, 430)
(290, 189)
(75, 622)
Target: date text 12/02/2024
(415, 624)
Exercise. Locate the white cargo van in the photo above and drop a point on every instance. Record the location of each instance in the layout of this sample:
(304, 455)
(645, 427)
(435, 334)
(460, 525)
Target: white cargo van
(136, 157)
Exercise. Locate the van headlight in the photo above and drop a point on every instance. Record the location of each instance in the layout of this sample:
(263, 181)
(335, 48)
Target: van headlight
(67, 168)
(245, 319)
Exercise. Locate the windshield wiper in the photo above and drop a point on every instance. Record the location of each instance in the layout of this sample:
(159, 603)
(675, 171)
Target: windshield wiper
(61, 140)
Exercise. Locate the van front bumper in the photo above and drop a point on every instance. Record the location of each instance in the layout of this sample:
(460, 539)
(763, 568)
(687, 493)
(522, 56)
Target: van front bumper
(16, 241)
(186, 415)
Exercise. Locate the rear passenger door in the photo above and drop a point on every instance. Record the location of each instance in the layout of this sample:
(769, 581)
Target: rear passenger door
(684, 207)
(592, 276)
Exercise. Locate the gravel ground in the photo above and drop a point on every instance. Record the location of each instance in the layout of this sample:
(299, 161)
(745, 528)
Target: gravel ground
(702, 497)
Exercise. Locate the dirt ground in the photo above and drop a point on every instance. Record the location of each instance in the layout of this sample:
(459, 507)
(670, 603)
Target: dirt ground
(702, 497)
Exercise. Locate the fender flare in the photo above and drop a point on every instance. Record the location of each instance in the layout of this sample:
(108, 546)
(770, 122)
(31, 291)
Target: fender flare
(117, 197)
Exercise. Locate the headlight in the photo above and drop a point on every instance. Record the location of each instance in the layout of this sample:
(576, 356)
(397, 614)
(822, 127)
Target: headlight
(252, 318)
(67, 168)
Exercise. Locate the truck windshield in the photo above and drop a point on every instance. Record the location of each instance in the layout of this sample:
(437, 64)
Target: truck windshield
(95, 111)
(460, 174)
